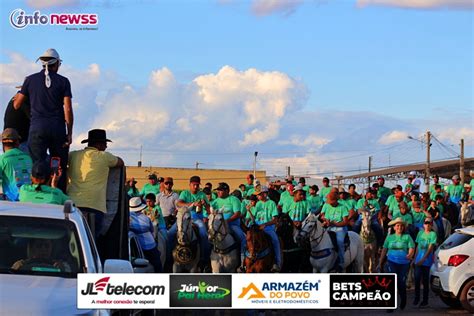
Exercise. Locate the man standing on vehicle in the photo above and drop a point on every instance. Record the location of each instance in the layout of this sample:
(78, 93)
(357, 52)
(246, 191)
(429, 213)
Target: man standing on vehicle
(88, 174)
(51, 112)
(15, 165)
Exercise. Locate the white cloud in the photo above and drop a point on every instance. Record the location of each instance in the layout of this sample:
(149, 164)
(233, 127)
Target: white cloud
(307, 141)
(454, 135)
(41, 4)
(267, 7)
(420, 4)
(393, 137)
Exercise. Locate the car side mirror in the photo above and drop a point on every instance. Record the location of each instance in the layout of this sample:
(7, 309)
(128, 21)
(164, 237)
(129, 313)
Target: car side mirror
(140, 263)
(117, 266)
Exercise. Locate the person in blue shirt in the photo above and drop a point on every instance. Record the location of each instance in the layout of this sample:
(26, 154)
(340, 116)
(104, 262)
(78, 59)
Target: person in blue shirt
(426, 243)
(51, 112)
(142, 226)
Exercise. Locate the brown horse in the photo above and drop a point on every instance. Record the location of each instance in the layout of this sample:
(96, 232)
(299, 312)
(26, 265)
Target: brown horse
(259, 257)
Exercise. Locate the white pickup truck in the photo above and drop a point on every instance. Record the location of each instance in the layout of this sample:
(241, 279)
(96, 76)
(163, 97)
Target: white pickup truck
(43, 247)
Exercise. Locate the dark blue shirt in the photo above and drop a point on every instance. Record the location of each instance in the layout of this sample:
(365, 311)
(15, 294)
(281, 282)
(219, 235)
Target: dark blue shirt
(47, 104)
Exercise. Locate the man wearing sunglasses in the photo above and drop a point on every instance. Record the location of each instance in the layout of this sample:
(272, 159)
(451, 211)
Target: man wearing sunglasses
(167, 201)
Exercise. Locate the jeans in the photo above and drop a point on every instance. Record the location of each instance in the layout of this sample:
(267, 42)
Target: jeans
(401, 270)
(374, 224)
(240, 234)
(340, 236)
(422, 273)
(51, 138)
(270, 230)
(439, 224)
(153, 255)
(203, 242)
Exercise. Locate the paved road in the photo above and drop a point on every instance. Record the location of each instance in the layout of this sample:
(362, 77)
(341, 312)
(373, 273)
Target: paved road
(436, 307)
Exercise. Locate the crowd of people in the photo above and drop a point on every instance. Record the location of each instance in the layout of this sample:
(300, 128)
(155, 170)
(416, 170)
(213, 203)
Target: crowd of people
(37, 167)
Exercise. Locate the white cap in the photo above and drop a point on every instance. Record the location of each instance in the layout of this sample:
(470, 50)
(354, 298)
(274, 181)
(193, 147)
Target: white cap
(50, 53)
(412, 173)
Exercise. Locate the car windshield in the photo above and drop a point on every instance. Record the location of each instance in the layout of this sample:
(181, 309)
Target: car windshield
(39, 246)
(455, 240)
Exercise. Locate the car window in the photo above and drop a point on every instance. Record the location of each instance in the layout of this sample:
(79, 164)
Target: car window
(39, 246)
(455, 240)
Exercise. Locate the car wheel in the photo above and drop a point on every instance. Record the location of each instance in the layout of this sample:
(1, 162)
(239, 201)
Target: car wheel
(467, 296)
(450, 301)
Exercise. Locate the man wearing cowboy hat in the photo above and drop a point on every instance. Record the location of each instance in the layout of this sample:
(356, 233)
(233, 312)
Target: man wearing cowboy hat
(88, 174)
(15, 165)
(51, 112)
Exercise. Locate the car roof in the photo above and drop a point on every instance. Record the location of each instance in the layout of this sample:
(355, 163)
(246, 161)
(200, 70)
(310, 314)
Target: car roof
(466, 230)
(32, 210)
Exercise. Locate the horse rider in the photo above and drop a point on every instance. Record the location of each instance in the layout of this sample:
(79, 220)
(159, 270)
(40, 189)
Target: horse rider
(371, 203)
(265, 214)
(335, 216)
(299, 208)
(315, 201)
(198, 204)
(230, 206)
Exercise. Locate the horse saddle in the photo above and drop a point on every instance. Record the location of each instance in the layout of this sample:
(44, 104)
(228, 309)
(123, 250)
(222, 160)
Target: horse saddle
(347, 241)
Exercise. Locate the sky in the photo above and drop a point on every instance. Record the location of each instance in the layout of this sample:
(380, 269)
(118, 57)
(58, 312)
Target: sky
(315, 85)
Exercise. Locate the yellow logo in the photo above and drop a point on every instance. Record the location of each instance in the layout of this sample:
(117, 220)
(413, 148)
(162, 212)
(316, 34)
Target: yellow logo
(252, 289)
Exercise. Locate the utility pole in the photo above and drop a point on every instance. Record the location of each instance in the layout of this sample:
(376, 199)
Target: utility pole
(197, 165)
(141, 151)
(370, 169)
(288, 172)
(461, 163)
(427, 170)
(255, 165)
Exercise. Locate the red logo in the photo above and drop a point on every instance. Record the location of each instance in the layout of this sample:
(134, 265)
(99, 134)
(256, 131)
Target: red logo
(101, 284)
(368, 283)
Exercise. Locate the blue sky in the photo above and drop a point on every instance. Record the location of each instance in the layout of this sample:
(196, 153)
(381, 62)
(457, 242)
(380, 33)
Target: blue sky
(389, 67)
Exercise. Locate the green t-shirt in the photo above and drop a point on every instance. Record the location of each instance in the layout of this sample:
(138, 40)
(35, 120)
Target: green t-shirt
(398, 246)
(156, 216)
(383, 191)
(434, 194)
(150, 188)
(264, 212)
(15, 170)
(133, 193)
(373, 202)
(324, 192)
(393, 208)
(187, 197)
(297, 210)
(407, 217)
(418, 217)
(249, 189)
(471, 194)
(243, 207)
(315, 202)
(455, 192)
(47, 195)
(229, 206)
(285, 200)
(424, 240)
(336, 214)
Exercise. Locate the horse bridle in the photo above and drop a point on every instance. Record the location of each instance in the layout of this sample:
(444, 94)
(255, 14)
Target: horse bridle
(311, 239)
(218, 231)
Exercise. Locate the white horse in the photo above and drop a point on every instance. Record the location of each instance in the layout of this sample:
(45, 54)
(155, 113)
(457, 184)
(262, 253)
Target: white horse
(467, 214)
(225, 253)
(370, 241)
(323, 253)
(186, 253)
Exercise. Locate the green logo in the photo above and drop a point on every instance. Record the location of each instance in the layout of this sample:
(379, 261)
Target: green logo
(202, 291)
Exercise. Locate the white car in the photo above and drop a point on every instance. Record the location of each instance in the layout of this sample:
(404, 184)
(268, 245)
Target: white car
(452, 273)
(42, 248)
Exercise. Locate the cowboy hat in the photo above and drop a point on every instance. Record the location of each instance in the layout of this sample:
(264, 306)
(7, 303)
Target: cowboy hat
(96, 135)
(136, 205)
(398, 220)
